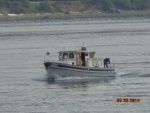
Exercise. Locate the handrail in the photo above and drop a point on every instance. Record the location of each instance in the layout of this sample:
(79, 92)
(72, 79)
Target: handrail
(47, 57)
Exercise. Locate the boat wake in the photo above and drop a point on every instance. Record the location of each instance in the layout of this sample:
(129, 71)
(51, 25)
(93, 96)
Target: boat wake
(133, 74)
(72, 80)
(145, 75)
(59, 80)
(82, 80)
(41, 79)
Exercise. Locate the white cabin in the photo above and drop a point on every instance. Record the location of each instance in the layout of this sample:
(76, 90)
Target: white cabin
(81, 58)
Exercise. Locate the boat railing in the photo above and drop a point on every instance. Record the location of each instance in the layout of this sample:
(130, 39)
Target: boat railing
(111, 65)
(47, 57)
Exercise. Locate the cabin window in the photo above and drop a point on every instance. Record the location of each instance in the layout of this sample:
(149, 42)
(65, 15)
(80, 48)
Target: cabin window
(65, 55)
(86, 54)
(95, 63)
(60, 56)
(71, 55)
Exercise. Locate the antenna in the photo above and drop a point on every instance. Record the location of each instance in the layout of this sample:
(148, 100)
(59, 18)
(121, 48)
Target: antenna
(83, 48)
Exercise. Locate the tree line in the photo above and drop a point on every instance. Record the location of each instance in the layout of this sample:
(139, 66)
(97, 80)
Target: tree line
(25, 6)
(47, 6)
(124, 4)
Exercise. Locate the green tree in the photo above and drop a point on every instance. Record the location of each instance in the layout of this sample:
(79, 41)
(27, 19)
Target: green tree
(5, 3)
(46, 7)
(23, 6)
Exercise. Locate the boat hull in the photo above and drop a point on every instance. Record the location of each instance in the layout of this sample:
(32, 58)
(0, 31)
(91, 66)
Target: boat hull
(64, 70)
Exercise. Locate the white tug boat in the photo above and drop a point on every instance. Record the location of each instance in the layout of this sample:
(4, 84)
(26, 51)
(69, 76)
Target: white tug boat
(80, 63)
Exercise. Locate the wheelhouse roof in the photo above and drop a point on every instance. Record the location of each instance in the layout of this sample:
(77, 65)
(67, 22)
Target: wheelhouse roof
(80, 51)
(66, 51)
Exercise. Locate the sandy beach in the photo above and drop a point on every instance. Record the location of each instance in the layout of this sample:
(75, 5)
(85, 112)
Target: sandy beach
(71, 15)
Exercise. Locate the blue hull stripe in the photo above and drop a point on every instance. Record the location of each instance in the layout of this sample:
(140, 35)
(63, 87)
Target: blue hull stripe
(80, 68)
(60, 65)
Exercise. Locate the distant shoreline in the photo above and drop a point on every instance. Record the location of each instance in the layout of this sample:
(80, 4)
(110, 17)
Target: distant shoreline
(72, 15)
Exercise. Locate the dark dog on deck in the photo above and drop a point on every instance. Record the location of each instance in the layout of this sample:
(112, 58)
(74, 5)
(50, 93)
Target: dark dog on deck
(106, 62)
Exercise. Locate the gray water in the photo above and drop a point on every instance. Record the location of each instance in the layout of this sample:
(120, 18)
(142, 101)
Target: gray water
(23, 84)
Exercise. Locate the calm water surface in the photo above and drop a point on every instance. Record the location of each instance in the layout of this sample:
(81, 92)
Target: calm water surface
(23, 84)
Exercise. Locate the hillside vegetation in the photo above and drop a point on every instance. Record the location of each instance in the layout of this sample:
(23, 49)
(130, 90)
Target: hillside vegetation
(67, 6)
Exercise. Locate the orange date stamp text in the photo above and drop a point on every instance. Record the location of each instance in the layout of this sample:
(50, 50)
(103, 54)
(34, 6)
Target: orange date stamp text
(132, 100)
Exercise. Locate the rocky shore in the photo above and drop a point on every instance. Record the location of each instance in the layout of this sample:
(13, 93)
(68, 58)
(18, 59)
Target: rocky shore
(71, 15)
